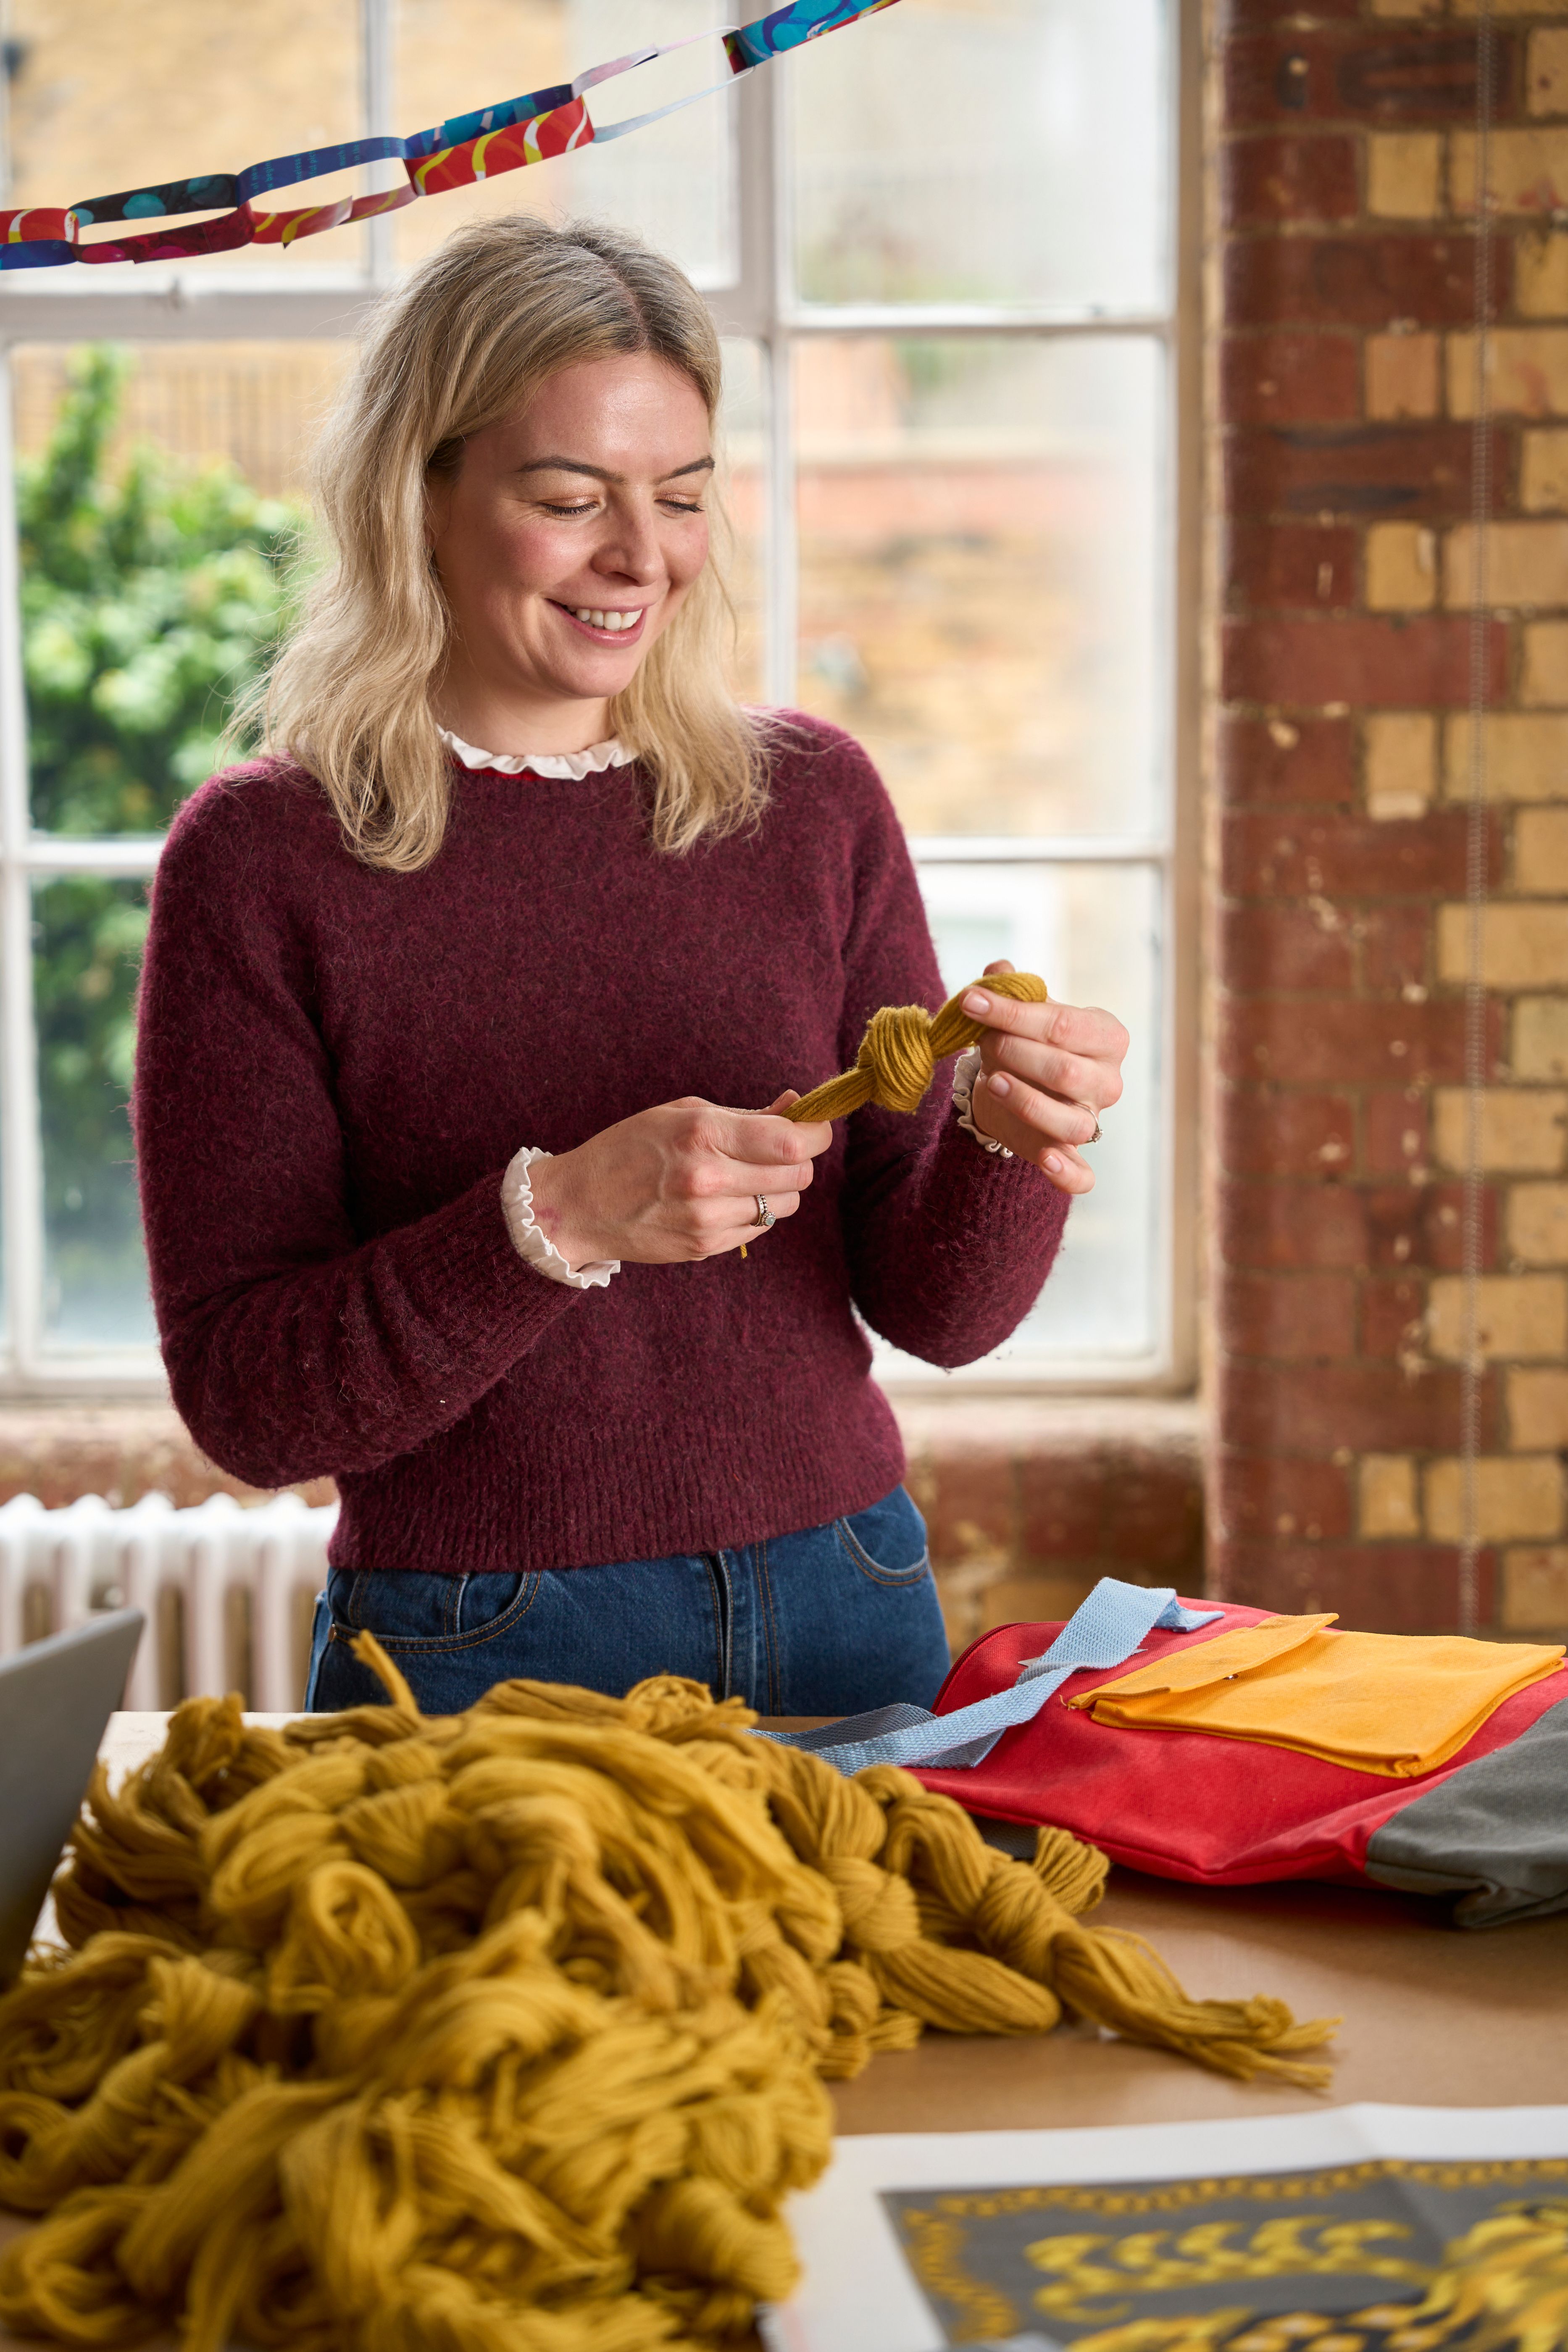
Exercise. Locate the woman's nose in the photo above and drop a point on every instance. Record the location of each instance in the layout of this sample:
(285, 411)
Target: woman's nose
(631, 549)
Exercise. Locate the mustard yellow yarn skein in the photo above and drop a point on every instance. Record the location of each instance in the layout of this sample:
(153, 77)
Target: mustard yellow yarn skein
(901, 1047)
(503, 2032)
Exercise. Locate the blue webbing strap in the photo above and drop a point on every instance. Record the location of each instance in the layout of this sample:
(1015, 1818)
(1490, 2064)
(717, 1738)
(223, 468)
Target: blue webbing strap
(1104, 1632)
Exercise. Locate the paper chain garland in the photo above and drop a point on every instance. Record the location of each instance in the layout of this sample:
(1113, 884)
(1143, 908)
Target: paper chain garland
(476, 146)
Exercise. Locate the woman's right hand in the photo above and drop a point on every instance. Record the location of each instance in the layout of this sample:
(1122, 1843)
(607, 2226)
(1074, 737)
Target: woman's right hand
(676, 1183)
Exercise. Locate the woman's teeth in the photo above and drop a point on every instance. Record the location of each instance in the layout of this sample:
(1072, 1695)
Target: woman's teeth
(606, 620)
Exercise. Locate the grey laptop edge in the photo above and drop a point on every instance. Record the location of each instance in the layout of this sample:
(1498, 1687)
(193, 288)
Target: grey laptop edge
(56, 1699)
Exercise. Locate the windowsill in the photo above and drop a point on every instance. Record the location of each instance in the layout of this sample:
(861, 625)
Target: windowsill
(1028, 1499)
(61, 1448)
(120, 1447)
(989, 1424)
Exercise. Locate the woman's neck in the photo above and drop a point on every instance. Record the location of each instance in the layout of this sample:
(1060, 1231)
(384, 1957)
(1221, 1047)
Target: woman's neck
(511, 723)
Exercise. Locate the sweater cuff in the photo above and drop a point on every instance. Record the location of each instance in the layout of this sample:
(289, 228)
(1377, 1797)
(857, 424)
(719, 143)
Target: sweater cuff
(535, 1245)
(966, 1070)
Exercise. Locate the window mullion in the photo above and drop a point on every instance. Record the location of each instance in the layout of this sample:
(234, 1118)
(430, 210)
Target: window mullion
(755, 309)
(1038, 849)
(973, 318)
(783, 557)
(194, 309)
(21, 1173)
(375, 115)
(783, 524)
(108, 858)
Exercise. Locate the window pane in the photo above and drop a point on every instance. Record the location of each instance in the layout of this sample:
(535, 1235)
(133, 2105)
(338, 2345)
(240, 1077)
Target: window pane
(987, 150)
(745, 493)
(1093, 933)
(160, 495)
(672, 183)
(107, 98)
(981, 574)
(88, 937)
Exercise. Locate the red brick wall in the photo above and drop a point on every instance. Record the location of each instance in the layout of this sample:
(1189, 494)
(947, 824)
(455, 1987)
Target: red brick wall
(1341, 298)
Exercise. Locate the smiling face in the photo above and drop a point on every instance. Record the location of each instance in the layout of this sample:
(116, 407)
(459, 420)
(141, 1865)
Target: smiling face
(565, 544)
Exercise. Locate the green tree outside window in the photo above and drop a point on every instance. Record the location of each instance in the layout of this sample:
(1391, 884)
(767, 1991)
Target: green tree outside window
(152, 593)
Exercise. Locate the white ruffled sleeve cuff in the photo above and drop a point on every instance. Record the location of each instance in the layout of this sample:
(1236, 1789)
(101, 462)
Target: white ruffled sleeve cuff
(536, 1246)
(966, 1070)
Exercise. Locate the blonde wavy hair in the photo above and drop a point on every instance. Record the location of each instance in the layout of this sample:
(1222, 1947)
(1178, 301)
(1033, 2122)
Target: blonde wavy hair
(466, 340)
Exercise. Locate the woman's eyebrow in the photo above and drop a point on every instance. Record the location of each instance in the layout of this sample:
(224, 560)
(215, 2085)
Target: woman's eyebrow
(603, 474)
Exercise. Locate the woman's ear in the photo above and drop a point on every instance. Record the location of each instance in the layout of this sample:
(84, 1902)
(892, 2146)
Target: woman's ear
(437, 510)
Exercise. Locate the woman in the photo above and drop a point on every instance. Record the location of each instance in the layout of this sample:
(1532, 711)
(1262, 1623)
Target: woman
(444, 997)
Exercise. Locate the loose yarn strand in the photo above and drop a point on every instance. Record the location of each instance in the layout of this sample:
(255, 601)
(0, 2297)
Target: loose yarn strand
(505, 2031)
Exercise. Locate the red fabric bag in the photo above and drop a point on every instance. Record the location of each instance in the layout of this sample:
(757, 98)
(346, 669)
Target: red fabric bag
(1221, 1812)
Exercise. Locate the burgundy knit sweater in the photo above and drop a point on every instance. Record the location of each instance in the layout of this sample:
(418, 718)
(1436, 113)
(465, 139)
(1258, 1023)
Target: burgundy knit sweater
(336, 1064)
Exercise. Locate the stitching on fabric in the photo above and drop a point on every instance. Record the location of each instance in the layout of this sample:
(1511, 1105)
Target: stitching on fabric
(708, 1558)
(765, 1609)
(434, 1645)
(873, 1570)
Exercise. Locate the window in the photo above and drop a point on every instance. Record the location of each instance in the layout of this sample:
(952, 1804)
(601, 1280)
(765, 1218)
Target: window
(942, 248)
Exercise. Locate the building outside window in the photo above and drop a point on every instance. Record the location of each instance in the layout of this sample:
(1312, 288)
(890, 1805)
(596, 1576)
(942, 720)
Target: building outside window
(942, 247)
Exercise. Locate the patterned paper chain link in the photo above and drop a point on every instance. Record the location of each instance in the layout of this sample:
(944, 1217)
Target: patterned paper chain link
(476, 146)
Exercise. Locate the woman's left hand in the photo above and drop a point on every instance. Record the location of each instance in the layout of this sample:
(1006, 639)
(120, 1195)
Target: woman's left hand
(1047, 1073)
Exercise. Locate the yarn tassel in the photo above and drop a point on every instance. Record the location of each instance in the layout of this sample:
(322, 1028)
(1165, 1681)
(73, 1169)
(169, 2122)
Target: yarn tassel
(1117, 1981)
(1024, 1916)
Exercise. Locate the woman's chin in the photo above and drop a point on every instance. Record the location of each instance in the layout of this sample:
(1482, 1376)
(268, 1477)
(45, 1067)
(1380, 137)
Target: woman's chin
(595, 680)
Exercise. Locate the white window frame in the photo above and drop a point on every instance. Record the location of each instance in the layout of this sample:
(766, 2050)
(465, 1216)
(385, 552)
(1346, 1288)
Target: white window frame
(203, 304)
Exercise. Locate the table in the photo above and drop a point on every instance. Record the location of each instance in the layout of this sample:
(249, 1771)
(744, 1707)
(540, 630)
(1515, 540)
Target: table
(1432, 2015)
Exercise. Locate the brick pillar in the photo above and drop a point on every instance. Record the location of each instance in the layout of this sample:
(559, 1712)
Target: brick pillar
(1343, 278)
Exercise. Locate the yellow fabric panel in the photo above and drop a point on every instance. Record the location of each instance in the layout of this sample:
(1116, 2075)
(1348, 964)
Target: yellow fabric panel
(1393, 1704)
(1239, 1651)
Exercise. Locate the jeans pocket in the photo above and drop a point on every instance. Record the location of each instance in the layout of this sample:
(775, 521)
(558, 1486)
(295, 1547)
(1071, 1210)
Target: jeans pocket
(461, 1612)
(887, 1542)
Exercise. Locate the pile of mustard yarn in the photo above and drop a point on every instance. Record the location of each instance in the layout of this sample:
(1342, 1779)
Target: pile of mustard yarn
(503, 2032)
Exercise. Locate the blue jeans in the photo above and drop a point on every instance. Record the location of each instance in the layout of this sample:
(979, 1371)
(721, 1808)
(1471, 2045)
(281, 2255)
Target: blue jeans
(830, 1621)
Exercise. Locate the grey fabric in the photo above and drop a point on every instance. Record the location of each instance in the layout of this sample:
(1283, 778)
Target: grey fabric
(1496, 1832)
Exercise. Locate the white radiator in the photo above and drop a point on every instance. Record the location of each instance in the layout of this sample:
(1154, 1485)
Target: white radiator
(227, 1592)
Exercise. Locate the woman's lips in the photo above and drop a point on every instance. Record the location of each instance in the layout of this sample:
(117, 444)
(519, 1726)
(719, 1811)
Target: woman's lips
(604, 636)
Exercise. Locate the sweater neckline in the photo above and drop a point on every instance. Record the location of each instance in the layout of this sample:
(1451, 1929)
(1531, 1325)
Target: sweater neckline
(563, 766)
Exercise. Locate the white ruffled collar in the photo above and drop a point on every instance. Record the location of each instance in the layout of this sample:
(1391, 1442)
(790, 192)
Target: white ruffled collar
(563, 766)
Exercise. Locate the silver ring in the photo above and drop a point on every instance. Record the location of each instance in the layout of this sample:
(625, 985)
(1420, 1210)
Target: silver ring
(764, 1216)
(1095, 1116)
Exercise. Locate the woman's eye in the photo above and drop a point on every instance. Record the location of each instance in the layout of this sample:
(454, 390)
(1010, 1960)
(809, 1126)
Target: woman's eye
(683, 506)
(586, 507)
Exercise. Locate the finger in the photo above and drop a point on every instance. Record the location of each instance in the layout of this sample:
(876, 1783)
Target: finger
(759, 1136)
(1083, 1029)
(1067, 1172)
(739, 1183)
(1000, 964)
(747, 1230)
(1035, 1126)
(1001, 1012)
(1060, 1163)
(1046, 1116)
(1089, 1029)
(786, 1101)
(1097, 1085)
